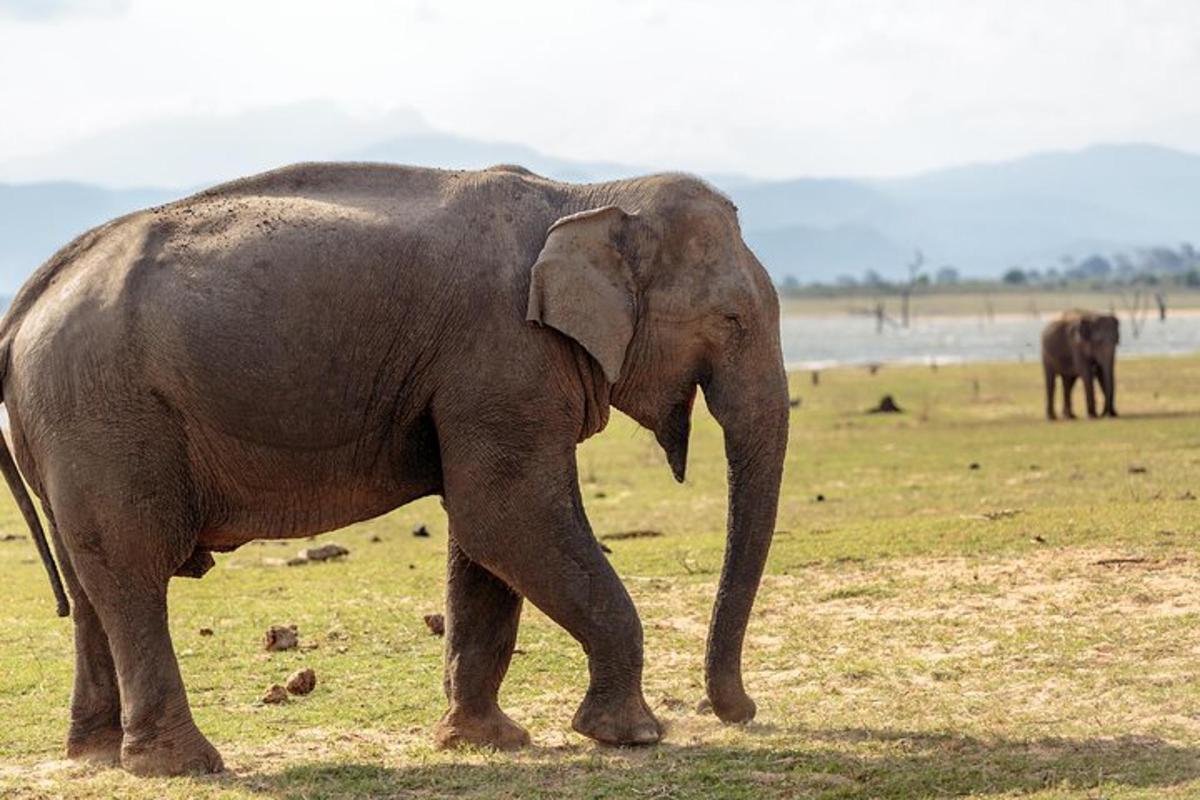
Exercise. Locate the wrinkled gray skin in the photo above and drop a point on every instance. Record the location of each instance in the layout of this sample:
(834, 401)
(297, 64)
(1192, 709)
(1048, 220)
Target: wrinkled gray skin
(1081, 344)
(300, 350)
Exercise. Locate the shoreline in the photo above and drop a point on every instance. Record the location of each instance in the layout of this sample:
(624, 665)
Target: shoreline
(1004, 316)
(950, 361)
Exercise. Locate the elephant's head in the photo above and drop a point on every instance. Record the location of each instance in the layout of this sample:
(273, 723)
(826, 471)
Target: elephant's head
(658, 286)
(1096, 336)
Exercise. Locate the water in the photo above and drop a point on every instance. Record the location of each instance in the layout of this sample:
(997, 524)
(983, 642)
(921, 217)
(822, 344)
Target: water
(814, 342)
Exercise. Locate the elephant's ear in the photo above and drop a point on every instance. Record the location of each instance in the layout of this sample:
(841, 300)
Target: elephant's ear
(582, 286)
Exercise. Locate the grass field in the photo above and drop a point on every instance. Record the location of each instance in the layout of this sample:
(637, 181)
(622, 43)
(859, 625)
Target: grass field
(979, 302)
(1027, 627)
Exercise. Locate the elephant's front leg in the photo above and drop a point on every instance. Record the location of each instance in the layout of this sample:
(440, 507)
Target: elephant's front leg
(516, 510)
(1068, 386)
(482, 614)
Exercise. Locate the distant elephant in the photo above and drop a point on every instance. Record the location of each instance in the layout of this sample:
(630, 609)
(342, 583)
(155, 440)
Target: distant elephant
(300, 350)
(1081, 344)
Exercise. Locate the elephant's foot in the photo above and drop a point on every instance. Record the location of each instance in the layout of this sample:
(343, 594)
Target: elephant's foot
(185, 752)
(492, 728)
(97, 745)
(627, 721)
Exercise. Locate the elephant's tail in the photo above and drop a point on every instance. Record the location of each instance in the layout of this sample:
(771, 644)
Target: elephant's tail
(12, 476)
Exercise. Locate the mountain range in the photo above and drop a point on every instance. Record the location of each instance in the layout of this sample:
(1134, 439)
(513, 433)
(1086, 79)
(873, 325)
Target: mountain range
(981, 219)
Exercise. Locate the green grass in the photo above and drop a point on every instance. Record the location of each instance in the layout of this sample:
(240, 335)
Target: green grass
(926, 630)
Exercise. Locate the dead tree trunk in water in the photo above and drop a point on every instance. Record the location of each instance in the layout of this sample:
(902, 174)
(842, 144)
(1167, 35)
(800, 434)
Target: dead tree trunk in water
(914, 270)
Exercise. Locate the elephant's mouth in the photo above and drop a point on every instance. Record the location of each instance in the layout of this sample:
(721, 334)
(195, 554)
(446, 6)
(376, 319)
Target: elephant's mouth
(675, 431)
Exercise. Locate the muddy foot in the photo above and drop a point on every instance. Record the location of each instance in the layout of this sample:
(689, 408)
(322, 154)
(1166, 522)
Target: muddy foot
(186, 754)
(626, 723)
(493, 729)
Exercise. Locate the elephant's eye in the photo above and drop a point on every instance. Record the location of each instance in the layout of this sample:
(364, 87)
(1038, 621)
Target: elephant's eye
(733, 320)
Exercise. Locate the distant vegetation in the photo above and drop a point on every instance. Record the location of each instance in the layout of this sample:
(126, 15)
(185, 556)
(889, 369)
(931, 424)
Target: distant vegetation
(1147, 267)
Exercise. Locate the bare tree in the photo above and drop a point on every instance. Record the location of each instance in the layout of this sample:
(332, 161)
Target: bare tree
(1137, 306)
(914, 271)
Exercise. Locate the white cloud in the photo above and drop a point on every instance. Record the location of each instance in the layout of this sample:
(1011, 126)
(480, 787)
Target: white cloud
(772, 88)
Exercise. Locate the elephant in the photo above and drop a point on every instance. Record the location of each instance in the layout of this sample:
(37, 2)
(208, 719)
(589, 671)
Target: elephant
(1081, 344)
(299, 350)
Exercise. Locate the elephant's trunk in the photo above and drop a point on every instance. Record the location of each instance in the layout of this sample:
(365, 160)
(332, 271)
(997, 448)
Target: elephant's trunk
(1109, 381)
(754, 415)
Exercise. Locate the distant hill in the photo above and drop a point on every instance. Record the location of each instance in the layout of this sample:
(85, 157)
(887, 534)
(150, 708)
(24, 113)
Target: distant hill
(37, 219)
(981, 219)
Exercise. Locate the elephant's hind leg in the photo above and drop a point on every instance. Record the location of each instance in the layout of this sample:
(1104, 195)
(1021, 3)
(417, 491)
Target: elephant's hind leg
(124, 519)
(482, 615)
(1048, 372)
(95, 733)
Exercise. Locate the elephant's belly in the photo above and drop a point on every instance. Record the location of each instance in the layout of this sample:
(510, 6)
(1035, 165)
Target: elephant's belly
(283, 517)
(252, 491)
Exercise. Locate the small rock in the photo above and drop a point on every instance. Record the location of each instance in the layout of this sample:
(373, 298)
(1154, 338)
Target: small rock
(11, 537)
(281, 637)
(325, 552)
(421, 532)
(275, 694)
(412, 566)
(1137, 469)
(820, 498)
(302, 681)
(206, 631)
(600, 495)
(436, 624)
(1039, 539)
(794, 402)
(973, 465)
(298, 561)
(1187, 495)
(376, 539)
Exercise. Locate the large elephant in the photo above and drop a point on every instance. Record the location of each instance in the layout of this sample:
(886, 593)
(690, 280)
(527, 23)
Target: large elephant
(1081, 344)
(299, 350)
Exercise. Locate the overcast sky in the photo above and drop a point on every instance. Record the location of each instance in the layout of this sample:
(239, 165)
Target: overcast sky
(765, 87)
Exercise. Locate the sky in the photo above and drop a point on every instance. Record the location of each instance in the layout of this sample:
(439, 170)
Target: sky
(759, 87)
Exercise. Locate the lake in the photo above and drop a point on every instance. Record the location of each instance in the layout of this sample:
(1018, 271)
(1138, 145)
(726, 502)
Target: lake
(817, 342)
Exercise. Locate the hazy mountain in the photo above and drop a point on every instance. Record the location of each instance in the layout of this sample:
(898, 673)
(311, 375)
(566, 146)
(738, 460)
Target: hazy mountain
(37, 219)
(455, 152)
(981, 219)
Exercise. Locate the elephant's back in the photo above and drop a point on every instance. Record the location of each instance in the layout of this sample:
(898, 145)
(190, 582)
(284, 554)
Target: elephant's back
(287, 296)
